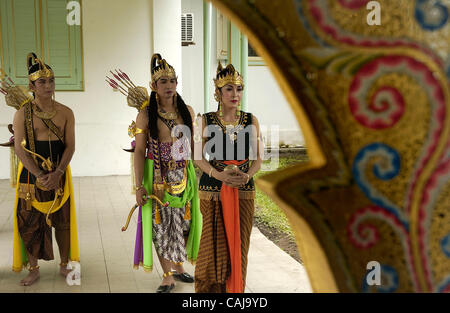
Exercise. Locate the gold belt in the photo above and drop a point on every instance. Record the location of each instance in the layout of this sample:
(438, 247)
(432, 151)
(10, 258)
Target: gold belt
(173, 188)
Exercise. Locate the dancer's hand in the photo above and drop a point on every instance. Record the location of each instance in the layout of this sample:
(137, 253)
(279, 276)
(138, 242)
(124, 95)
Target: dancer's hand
(245, 178)
(230, 178)
(141, 196)
(51, 180)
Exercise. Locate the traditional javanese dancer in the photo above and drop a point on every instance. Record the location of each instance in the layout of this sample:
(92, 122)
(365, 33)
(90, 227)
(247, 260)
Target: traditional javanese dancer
(44, 132)
(163, 168)
(226, 188)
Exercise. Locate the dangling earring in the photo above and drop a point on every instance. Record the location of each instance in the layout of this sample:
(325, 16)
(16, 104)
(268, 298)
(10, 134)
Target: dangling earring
(220, 109)
(238, 111)
(157, 99)
(175, 98)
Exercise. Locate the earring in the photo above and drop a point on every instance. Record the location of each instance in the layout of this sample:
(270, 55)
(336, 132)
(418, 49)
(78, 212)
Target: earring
(157, 98)
(217, 97)
(220, 109)
(238, 111)
(175, 98)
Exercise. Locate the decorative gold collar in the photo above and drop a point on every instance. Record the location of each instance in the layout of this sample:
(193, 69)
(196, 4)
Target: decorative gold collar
(168, 115)
(42, 114)
(227, 124)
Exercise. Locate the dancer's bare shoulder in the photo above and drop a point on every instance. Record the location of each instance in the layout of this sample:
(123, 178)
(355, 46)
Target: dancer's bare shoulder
(65, 111)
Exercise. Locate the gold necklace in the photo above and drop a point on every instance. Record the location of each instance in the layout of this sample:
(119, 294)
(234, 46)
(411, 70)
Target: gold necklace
(224, 123)
(231, 128)
(43, 114)
(168, 115)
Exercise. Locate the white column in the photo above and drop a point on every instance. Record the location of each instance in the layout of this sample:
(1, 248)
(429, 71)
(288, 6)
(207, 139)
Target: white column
(167, 34)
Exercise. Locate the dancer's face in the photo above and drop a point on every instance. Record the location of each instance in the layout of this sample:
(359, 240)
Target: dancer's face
(43, 87)
(231, 95)
(166, 87)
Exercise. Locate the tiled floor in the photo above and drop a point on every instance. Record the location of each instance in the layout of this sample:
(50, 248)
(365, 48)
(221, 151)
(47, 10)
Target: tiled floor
(106, 252)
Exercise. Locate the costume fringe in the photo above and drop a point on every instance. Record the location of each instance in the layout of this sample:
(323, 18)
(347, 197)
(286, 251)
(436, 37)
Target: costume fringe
(187, 211)
(157, 215)
(215, 196)
(247, 195)
(209, 195)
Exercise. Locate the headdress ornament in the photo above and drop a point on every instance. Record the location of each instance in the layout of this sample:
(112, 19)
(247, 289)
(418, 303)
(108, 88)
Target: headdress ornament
(228, 75)
(161, 69)
(44, 70)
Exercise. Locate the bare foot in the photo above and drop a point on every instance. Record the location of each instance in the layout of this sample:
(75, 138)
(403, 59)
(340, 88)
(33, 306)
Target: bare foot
(64, 271)
(31, 278)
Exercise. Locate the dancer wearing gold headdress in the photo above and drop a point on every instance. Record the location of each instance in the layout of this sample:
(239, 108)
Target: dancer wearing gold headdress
(163, 169)
(226, 188)
(44, 133)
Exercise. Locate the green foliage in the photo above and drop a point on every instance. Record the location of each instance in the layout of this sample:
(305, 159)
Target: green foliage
(267, 211)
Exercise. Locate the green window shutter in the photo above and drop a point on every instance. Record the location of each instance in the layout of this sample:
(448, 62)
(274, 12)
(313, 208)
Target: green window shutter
(62, 45)
(20, 25)
(40, 26)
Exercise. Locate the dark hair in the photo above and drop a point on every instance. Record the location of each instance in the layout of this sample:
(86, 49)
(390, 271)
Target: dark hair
(152, 111)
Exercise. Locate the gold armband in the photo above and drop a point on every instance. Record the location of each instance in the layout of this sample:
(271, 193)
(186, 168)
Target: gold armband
(140, 131)
(133, 130)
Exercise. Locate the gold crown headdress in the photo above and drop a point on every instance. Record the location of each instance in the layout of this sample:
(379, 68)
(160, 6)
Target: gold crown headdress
(228, 75)
(44, 70)
(162, 69)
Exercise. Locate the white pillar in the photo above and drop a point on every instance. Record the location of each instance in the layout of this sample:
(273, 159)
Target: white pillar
(167, 34)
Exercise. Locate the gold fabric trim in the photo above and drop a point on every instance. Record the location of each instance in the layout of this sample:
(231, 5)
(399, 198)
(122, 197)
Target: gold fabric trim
(29, 128)
(208, 195)
(247, 195)
(147, 269)
(209, 188)
(14, 164)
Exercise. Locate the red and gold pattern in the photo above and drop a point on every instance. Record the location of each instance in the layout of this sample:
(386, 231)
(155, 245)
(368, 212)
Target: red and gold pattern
(373, 103)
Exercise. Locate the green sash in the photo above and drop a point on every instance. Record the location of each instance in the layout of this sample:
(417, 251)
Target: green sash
(189, 194)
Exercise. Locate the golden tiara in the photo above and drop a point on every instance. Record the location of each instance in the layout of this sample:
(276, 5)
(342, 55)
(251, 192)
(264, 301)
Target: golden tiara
(231, 77)
(164, 70)
(43, 72)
